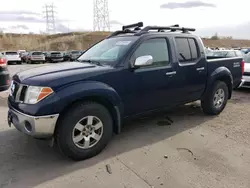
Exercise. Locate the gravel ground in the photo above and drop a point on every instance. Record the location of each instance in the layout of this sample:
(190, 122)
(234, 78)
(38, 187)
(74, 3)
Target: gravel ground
(195, 151)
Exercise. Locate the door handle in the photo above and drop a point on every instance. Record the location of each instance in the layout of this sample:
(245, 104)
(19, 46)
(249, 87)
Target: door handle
(171, 73)
(200, 69)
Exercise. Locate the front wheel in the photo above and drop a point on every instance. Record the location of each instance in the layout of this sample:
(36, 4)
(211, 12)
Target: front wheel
(215, 101)
(84, 131)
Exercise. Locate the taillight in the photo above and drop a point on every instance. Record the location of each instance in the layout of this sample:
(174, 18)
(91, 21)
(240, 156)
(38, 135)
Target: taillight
(3, 62)
(242, 66)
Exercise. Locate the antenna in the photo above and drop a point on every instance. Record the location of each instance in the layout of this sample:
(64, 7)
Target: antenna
(50, 18)
(101, 16)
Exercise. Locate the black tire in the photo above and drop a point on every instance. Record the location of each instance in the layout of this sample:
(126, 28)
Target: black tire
(207, 103)
(63, 135)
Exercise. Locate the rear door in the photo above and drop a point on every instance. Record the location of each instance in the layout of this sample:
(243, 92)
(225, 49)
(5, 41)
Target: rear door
(191, 68)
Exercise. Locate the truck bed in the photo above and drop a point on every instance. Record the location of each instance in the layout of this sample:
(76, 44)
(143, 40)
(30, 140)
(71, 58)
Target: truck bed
(233, 64)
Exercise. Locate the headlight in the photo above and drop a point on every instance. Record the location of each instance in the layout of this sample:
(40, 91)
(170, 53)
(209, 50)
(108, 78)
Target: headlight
(35, 94)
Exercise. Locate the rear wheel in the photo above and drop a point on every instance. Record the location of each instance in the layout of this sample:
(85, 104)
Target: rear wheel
(215, 101)
(84, 131)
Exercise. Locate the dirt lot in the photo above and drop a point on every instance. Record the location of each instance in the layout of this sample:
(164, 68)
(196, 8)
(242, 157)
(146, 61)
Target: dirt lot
(195, 151)
(81, 41)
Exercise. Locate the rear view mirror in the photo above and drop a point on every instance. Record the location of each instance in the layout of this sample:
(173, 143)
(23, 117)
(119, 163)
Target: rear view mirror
(143, 61)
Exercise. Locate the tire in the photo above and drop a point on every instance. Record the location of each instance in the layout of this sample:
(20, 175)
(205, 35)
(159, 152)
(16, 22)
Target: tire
(208, 105)
(66, 128)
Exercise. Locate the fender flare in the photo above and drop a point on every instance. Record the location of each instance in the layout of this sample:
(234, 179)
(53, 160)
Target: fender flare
(223, 74)
(69, 94)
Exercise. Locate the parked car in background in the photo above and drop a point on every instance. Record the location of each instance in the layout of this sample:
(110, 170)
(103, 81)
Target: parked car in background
(66, 56)
(225, 53)
(245, 82)
(74, 54)
(23, 56)
(12, 57)
(55, 56)
(21, 52)
(130, 73)
(47, 56)
(245, 50)
(4, 74)
(35, 57)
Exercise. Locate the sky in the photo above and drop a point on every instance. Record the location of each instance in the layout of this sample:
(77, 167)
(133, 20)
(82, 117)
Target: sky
(27, 15)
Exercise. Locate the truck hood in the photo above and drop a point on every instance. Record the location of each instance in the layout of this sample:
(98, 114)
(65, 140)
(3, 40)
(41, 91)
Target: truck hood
(59, 74)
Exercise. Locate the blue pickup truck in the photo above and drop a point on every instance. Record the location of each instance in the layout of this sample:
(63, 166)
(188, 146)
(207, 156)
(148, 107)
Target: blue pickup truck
(133, 71)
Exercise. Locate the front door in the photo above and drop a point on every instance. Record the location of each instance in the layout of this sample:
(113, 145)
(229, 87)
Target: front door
(151, 86)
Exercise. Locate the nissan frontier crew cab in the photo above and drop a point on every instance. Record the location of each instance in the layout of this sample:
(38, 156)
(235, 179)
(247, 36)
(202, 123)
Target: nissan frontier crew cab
(132, 72)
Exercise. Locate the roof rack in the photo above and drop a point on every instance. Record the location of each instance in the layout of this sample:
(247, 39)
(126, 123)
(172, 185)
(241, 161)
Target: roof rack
(138, 31)
(135, 25)
(171, 28)
(126, 29)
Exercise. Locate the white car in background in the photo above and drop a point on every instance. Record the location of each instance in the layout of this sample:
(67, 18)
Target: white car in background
(245, 83)
(12, 57)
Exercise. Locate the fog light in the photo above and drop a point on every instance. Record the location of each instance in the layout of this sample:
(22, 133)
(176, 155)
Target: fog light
(27, 126)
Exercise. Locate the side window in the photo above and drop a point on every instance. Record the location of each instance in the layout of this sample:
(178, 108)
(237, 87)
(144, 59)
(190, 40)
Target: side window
(187, 50)
(157, 48)
(193, 48)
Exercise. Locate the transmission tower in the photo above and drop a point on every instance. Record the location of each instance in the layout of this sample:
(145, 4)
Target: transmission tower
(50, 18)
(101, 16)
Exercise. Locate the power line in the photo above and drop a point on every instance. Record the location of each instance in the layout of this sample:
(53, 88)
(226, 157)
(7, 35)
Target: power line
(50, 18)
(101, 16)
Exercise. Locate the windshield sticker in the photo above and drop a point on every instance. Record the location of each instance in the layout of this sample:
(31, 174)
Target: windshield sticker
(122, 43)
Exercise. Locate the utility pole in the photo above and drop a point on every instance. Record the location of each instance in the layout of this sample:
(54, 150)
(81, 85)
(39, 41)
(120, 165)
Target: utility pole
(101, 16)
(50, 18)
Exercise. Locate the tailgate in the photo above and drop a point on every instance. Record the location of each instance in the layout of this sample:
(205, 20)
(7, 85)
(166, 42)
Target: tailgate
(234, 64)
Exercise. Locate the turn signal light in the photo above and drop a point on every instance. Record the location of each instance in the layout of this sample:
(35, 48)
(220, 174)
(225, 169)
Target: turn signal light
(46, 91)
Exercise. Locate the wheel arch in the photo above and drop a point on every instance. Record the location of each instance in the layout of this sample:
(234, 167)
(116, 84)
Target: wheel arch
(220, 74)
(114, 111)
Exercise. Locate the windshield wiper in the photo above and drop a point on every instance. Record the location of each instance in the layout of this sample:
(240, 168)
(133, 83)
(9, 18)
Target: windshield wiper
(90, 61)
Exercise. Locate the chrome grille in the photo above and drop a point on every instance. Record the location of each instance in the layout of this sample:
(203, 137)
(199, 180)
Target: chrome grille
(18, 93)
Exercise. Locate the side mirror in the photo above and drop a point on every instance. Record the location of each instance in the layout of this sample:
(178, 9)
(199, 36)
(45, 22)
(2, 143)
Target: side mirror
(143, 61)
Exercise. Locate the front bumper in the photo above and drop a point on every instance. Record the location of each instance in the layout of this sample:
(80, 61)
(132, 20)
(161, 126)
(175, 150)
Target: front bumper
(35, 126)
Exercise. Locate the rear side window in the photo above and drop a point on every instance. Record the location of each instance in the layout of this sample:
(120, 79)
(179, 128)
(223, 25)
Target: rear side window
(37, 53)
(55, 53)
(187, 50)
(11, 53)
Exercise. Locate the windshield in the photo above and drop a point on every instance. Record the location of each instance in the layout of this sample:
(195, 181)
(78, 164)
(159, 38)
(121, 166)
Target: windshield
(11, 53)
(108, 50)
